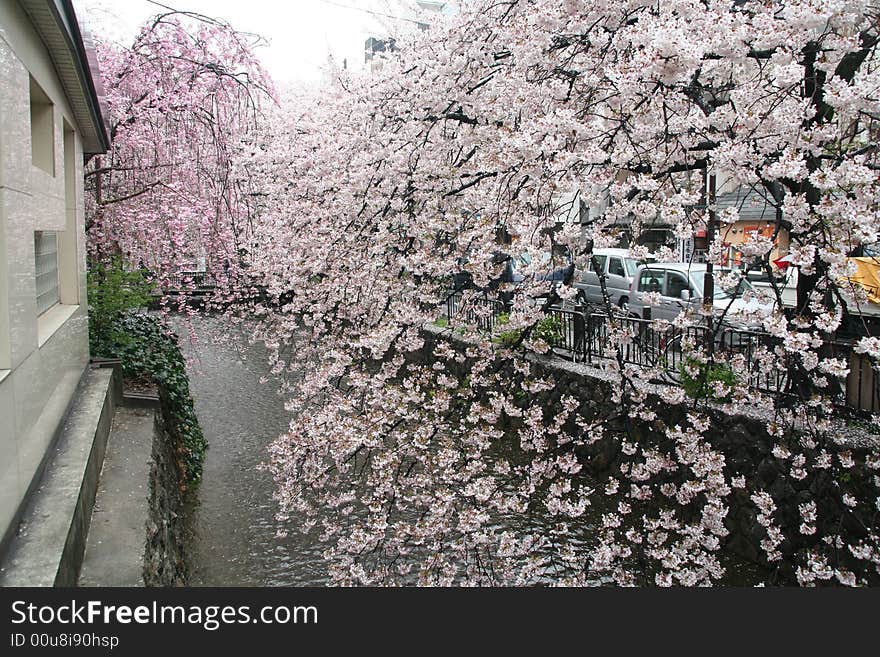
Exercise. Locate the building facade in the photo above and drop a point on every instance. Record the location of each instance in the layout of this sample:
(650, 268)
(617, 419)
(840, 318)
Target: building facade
(50, 117)
(411, 13)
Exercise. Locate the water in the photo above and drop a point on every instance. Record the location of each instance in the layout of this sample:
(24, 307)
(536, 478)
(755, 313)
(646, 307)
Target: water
(234, 540)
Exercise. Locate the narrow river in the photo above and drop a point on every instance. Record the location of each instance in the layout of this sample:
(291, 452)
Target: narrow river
(234, 540)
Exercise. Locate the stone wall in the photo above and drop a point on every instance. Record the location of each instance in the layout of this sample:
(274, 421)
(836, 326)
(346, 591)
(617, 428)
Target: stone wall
(744, 441)
(165, 558)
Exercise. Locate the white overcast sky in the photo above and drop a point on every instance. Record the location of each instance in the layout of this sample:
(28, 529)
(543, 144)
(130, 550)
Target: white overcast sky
(302, 34)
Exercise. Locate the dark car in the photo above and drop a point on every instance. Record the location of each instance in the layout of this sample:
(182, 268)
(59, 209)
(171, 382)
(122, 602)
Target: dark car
(559, 269)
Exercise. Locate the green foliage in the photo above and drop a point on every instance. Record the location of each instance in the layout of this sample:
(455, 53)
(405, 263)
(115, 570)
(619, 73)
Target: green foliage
(506, 338)
(699, 385)
(146, 348)
(510, 338)
(112, 292)
(549, 329)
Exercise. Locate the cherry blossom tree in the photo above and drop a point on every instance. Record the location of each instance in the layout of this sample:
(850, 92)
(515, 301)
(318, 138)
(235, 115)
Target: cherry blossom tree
(182, 103)
(380, 188)
(350, 210)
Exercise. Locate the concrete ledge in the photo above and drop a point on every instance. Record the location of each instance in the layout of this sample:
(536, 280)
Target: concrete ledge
(116, 365)
(48, 548)
(139, 400)
(52, 320)
(120, 396)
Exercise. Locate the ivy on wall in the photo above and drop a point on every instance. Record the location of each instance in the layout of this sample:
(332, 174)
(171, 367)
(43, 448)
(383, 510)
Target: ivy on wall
(148, 349)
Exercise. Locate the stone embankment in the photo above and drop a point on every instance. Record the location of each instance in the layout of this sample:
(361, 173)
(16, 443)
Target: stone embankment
(165, 559)
(742, 439)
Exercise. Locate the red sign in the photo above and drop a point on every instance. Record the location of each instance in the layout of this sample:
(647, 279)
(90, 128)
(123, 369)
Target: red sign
(782, 262)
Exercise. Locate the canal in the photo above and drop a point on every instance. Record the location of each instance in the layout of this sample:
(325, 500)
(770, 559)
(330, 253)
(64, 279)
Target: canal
(234, 538)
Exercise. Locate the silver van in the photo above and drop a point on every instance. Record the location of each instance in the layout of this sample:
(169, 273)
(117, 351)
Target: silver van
(617, 266)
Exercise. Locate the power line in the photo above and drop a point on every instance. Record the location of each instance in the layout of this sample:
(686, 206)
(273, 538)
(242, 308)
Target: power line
(159, 4)
(371, 11)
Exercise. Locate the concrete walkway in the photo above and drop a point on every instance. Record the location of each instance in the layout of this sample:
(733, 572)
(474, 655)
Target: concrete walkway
(117, 536)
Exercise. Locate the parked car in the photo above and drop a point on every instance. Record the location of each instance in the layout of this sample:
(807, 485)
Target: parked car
(509, 276)
(618, 268)
(512, 270)
(786, 282)
(681, 285)
(555, 267)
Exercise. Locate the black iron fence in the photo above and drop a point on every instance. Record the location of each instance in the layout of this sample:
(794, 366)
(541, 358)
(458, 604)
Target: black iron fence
(670, 351)
(188, 280)
(862, 383)
(481, 311)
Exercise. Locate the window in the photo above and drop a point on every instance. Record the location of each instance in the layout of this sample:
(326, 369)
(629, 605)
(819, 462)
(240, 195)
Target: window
(675, 285)
(46, 269)
(598, 263)
(615, 267)
(651, 281)
(42, 130)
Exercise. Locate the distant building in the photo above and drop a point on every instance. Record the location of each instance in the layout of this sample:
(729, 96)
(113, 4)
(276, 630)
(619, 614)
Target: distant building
(50, 116)
(433, 5)
(373, 47)
(757, 216)
(410, 12)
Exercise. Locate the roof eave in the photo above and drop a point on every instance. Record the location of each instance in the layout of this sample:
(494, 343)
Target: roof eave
(75, 61)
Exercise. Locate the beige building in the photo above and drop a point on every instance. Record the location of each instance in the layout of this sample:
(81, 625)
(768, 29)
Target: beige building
(50, 117)
(757, 217)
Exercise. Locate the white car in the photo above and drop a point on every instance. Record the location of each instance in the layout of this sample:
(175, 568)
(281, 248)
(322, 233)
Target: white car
(787, 285)
(680, 285)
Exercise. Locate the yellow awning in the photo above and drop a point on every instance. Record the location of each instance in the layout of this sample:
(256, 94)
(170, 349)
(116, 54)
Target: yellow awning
(867, 275)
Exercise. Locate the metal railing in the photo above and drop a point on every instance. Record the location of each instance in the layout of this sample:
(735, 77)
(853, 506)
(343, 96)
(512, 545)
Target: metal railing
(862, 384)
(757, 358)
(481, 311)
(188, 280)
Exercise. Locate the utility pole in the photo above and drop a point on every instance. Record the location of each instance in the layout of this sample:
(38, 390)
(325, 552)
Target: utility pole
(709, 196)
(708, 279)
